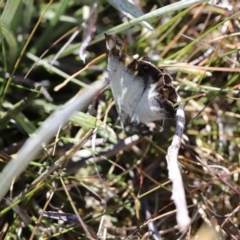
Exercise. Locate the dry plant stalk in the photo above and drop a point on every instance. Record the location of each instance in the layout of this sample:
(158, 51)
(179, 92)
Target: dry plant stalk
(178, 194)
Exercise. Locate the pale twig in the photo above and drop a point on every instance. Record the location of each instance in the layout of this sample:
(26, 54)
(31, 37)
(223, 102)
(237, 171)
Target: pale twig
(178, 194)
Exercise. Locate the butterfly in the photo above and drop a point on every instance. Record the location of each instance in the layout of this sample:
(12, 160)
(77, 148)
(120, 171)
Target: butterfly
(143, 93)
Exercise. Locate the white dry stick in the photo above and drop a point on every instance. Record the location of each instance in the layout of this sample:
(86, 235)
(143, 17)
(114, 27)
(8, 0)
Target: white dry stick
(178, 194)
(89, 27)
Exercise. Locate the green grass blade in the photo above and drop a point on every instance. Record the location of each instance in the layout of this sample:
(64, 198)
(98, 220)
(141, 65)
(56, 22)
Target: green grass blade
(9, 11)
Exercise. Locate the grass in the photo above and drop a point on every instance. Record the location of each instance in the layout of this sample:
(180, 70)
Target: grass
(115, 181)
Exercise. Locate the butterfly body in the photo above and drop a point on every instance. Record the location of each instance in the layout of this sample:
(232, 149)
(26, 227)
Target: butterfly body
(142, 92)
